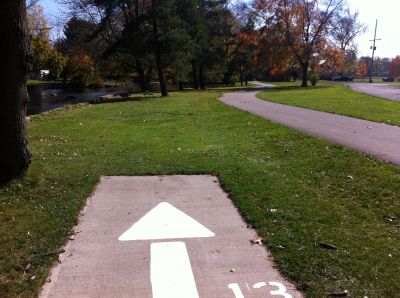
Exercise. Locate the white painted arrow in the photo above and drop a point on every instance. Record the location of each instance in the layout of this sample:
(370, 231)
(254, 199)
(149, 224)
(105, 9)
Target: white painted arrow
(171, 274)
(165, 222)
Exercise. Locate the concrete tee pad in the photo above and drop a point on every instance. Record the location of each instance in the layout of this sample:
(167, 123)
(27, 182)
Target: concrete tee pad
(164, 236)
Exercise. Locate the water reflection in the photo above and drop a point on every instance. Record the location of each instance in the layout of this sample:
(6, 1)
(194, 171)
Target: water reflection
(42, 100)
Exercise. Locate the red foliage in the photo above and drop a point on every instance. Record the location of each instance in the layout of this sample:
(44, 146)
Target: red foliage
(394, 67)
(362, 69)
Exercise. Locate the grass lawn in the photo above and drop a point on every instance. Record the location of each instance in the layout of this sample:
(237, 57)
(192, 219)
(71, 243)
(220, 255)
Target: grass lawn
(395, 84)
(366, 80)
(335, 98)
(36, 82)
(322, 192)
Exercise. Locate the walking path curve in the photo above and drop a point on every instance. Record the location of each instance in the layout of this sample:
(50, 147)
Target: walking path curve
(380, 90)
(380, 140)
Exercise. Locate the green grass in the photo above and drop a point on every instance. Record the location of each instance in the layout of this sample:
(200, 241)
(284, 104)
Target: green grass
(366, 80)
(322, 192)
(335, 98)
(298, 83)
(395, 84)
(37, 82)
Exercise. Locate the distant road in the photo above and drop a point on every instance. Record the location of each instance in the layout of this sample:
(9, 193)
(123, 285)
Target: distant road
(380, 140)
(380, 90)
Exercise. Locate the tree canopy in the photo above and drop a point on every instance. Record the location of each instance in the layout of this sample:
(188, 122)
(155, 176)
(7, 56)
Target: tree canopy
(195, 41)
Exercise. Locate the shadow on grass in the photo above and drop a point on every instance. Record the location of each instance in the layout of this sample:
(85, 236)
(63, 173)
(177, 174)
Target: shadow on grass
(296, 88)
(219, 88)
(125, 99)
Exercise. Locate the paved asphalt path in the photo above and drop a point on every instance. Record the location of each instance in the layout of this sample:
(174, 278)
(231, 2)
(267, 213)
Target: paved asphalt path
(380, 140)
(380, 90)
(164, 237)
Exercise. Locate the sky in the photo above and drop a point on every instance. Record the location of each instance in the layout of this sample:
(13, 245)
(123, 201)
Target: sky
(387, 14)
(385, 11)
(51, 7)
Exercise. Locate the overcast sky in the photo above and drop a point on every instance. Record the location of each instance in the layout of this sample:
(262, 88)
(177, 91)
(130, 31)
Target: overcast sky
(386, 11)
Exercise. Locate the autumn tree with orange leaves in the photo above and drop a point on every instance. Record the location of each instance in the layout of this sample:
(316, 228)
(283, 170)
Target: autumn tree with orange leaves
(394, 67)
(272, 57)
(344, 30)
(304, 25)
(333, 61)
(362, 69)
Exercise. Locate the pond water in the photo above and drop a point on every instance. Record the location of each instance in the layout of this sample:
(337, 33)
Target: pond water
(42, 100)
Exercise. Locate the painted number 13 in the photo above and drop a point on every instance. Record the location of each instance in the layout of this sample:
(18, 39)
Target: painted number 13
(280, 291)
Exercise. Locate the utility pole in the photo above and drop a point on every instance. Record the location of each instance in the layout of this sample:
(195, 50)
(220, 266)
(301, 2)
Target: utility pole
(373, 53)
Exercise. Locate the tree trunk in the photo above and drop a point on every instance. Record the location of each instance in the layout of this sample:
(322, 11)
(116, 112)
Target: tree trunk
(142, 76)
(157, 52)
(304, 69)
(194, 72)
(229, 73)
(15, 57)
(148, 77)
(161, 78)
(201, 76)
(180, 85)
(225, 79)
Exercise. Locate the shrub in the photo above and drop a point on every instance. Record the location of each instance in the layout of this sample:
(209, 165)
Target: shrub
(80, 69)
(314, 78)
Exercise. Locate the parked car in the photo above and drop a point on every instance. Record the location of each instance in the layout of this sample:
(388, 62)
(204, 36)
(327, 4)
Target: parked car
(343, 79)
(388, 79)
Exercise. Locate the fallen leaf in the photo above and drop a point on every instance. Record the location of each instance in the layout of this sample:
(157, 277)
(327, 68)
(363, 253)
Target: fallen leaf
(257, 240)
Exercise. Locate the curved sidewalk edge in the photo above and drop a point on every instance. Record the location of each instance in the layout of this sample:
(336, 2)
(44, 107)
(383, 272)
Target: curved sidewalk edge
(382, 91)
(379, 140)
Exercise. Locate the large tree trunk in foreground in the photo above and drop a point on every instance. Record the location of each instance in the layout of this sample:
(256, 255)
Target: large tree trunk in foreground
(14, 61)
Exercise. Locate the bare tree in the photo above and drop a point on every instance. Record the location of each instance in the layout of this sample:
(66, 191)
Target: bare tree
(15, 60)
(345, 28)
